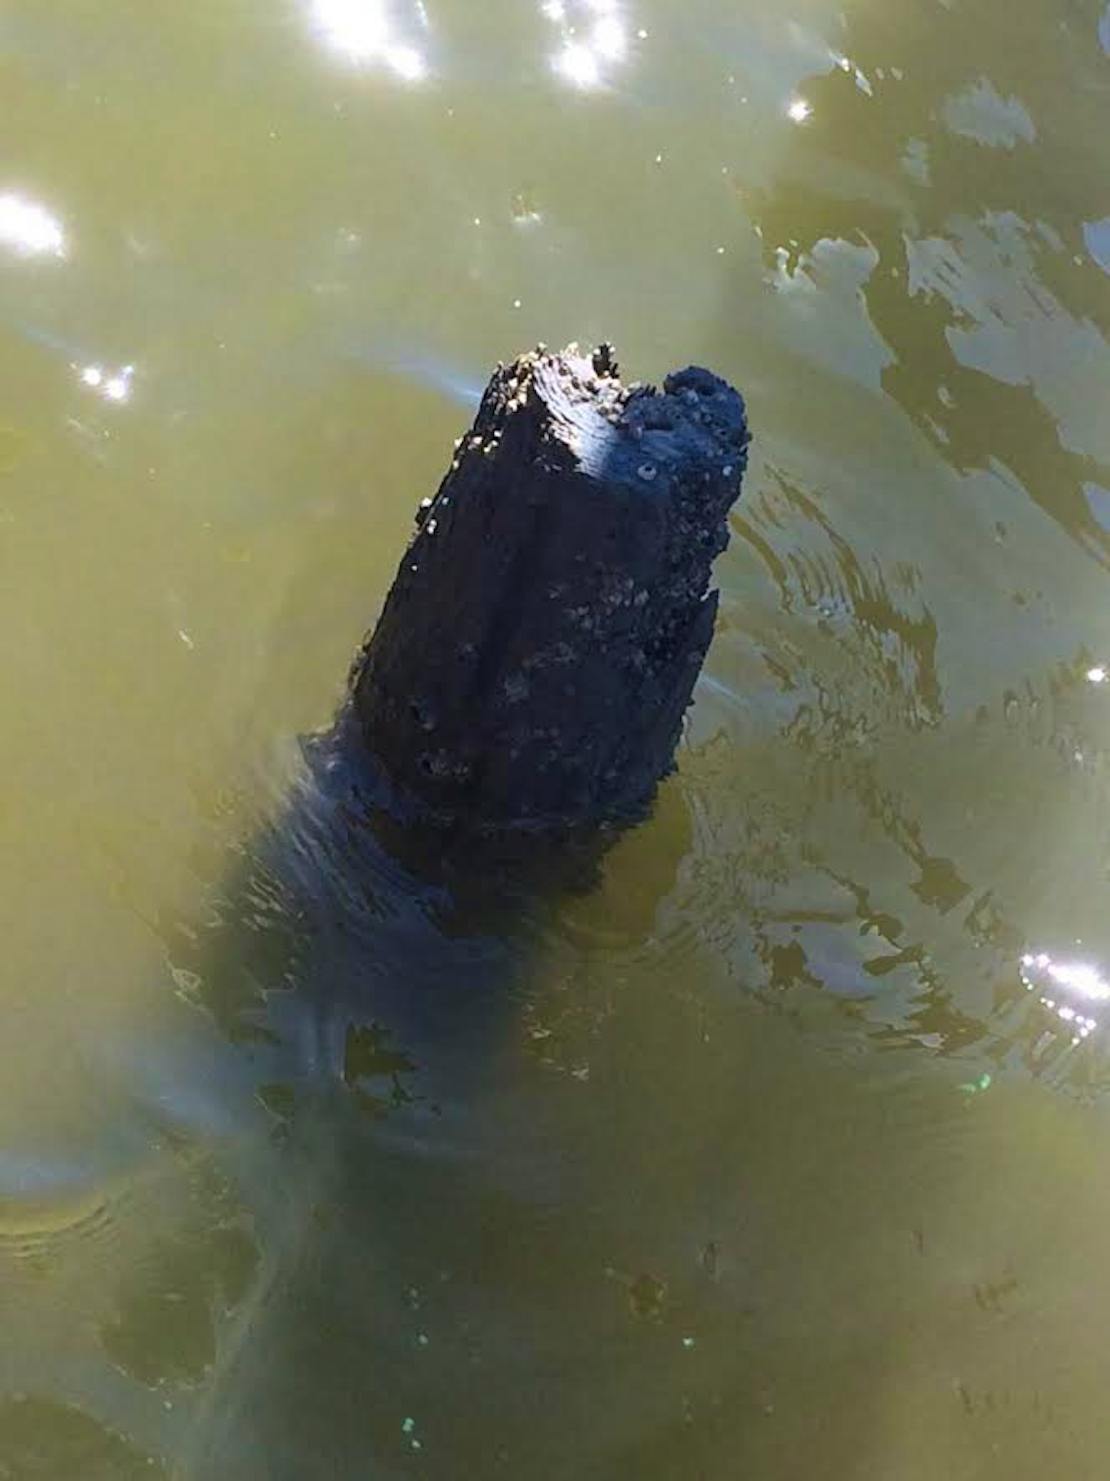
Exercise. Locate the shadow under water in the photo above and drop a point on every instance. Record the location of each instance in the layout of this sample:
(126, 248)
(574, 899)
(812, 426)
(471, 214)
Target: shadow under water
(377, 986)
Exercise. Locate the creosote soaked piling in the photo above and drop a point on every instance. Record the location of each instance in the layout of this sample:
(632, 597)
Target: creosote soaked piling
(548, 621)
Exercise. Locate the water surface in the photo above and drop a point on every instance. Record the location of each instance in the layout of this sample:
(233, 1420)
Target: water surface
(779, 1151)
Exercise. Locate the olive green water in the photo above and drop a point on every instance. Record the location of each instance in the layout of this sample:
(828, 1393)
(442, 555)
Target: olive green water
(768, 1158)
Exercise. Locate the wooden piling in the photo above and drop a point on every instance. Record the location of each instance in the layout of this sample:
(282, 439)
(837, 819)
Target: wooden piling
(542, 638)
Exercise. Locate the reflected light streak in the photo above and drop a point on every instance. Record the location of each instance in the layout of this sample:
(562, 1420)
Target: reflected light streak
(578, 64)
(1077, 977)
(847, 65)
(407, 62)
(799, 110)
(362, 31)
(29, 229)
(1054, 982)
(115, 387)
(594, 38)
(609, 39)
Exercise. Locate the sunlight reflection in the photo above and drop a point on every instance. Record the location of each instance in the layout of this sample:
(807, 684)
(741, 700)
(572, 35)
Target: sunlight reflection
(363, 32)
(799, 110)
(113, 387)
(594, 38)
(1078, 977)
(30, 229)
(861, 79)
(1067, 989)
(1096, 675)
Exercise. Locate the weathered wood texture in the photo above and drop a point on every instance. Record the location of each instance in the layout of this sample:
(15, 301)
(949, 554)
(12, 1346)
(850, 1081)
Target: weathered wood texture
(542, 638)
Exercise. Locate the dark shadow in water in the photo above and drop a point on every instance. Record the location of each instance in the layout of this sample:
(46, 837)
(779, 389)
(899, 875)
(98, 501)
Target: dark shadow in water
(384, 1002)
(378, 952)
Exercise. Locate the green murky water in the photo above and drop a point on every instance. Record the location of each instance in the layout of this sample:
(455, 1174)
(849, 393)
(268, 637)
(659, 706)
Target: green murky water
(784, 1151)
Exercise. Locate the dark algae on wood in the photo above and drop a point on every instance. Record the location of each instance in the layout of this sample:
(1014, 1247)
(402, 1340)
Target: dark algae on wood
(542, 638)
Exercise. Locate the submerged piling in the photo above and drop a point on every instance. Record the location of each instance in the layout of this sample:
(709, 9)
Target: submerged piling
(548, 621)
